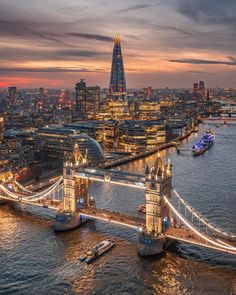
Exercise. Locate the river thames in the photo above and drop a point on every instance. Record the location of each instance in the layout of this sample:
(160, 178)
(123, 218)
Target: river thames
(35, 260)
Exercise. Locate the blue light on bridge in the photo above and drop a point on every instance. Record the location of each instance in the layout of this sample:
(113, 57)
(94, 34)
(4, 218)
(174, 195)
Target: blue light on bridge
(147, 242)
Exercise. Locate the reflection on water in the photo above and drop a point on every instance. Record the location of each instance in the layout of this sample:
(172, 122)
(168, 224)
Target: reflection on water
(35, 260)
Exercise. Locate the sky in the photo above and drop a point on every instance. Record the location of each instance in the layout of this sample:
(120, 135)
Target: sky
(55, 43)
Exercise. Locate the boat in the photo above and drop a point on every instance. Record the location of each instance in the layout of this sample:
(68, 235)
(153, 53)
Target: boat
(141, 208)
(97, 251)
(211, 132)
(203, 145)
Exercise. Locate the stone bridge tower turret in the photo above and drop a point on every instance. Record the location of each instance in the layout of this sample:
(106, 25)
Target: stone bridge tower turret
(158, 182)
(75, 192)
(75, 188)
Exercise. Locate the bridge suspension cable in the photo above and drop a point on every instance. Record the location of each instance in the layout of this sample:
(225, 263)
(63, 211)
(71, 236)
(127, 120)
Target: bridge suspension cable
(36, 197)
(48, 190)
(203, 219)
(208, 239)
(24, 189)
(198, 233)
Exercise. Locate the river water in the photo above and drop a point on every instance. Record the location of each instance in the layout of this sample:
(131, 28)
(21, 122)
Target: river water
(35, 260)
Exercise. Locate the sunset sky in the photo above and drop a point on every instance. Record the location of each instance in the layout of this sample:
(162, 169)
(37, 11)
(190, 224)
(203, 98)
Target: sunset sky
(54, 43)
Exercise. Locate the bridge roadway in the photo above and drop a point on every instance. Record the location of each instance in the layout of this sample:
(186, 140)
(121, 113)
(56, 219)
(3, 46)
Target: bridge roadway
(114, 217)
(46, 203)
(188, 236)
(113, 176)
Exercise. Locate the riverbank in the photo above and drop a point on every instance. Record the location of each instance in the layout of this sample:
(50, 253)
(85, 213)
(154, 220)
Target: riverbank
(161, 147)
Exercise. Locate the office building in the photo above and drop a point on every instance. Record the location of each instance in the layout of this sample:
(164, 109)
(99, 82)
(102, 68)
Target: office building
(92, 99)
(80, 99)
(12, 96)
(53, 142)
(134, 136)
(87, 100)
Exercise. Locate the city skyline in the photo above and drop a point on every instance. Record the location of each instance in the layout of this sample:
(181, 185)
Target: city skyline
(165, 43)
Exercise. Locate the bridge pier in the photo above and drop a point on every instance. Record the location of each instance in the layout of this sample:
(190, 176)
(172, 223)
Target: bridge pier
(158, 182)
(75, 194)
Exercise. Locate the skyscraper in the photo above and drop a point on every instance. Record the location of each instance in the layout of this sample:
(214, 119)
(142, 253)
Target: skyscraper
(87, 100)
(195, 87)
(12, 95)
(201, 85)
(80, 99)
(93, 99)
(117, 81)
(1, 129)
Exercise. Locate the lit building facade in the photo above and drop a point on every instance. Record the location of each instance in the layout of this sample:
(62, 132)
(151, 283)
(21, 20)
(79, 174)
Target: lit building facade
(1, 129)
(87, 100)
(62, 116)
(12, 96)
(54, 141)
(92, 99)
(105, 132)
(80, 99)
(14, 155)
(149, 109)
(118, 109)
(140, 135)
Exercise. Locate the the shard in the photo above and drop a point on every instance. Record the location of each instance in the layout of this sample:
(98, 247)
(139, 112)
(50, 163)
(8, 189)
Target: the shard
(117, 81)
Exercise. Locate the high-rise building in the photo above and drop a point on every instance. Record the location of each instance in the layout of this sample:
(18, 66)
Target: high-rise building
(87, 100)
(195, 87)
(201, 89)
(12, 95)
(201, 85)
(80, 106)
(1, 129)
(64, 100)
(117, 82)
(41, 92)
(92, 99)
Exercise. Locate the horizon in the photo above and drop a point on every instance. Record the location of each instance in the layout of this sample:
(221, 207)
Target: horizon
(54, 47)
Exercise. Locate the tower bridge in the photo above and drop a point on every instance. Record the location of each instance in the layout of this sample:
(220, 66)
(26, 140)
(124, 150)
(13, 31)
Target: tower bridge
(168, 215)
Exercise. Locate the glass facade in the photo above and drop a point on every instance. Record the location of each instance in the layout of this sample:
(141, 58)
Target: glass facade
(141, 135)
(117, 81)
(54, 141)
(89, 148)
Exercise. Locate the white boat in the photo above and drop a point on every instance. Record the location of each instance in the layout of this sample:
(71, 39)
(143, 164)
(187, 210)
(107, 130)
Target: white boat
(97, 251)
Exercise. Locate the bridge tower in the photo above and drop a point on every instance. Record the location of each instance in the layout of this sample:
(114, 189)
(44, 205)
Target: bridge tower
(75, 188)
(158, 182)
(75, 191)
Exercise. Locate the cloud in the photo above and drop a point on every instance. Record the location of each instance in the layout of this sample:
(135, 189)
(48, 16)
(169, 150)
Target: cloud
(209, 11)
(50, 70)
(135, 7)
(34, 54)
(81, 53)
(92, 36)
(204, 61)
(31, 30)
(197, 72)
(132, 37)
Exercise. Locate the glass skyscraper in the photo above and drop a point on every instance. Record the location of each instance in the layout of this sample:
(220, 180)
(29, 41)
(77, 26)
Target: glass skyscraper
(117, 81)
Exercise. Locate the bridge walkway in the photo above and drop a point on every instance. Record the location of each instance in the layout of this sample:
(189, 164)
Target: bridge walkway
(114, 217)
(187, 235)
